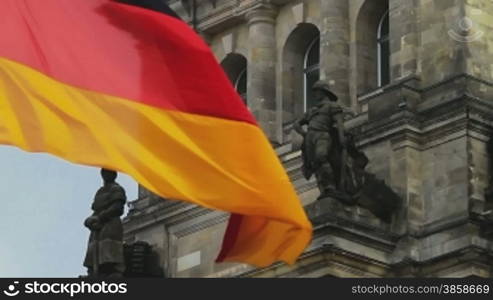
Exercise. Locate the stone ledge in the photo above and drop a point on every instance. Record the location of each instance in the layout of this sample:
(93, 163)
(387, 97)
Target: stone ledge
(330, 260)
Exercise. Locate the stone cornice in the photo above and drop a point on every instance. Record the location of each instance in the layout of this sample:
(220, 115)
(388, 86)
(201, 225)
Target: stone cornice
(262, 13)
(173, 213)
(236, 12)
(222, 17)
(323, 257)
(337, 259)
(163, 213)
(411, 83)
(414, 83)
(379, 238)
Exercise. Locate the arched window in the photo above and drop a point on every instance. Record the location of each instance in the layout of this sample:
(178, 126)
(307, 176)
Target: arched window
(299, 71)
(372, 46)
(383, 51)
(311, 71)
(235, 66)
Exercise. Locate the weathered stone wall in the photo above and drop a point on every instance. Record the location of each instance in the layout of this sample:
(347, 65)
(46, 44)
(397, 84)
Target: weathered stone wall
(445, 179)
(440, 56)
(479, 39)
(405, 38)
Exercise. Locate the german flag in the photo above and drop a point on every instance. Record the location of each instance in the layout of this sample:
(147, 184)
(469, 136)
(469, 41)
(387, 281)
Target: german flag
(130, 87)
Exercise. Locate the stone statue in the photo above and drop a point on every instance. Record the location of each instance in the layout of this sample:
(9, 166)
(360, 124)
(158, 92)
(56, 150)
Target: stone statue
(330, 153)
(324, 142)
(104, 256)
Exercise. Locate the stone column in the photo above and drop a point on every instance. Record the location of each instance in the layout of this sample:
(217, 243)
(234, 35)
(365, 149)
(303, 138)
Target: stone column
(261, 88)
(334, 47)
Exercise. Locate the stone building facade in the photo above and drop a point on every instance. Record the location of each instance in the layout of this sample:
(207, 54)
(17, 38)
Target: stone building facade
(419, 76)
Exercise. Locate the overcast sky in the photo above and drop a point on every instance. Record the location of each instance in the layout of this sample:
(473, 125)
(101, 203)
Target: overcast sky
(44, 201)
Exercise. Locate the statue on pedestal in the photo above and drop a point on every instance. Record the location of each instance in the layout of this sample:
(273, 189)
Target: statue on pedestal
(329, 153)
(324, 145)
(104, 257)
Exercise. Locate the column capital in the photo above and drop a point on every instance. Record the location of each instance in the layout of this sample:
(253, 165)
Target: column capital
(264, 12)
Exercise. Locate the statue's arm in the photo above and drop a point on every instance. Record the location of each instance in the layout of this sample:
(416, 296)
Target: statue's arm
(96, 220)
(117, 206)
(116, 209)
(298, 126)
(348, 112)
(90, 221)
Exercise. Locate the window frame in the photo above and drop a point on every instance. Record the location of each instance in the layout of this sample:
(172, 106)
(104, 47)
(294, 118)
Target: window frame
(380, 41)
(309, 69)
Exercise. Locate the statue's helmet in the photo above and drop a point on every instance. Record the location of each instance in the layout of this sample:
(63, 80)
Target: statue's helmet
(324, 87)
